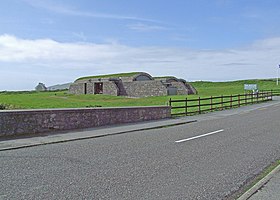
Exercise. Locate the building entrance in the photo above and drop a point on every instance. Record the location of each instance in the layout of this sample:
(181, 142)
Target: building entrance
(98, 88)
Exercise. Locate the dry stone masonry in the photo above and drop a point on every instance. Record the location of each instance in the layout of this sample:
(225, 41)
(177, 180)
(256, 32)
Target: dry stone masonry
(138, 84)
(25, 122)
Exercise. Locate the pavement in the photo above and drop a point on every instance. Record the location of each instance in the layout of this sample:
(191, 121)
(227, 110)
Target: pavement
(267, 188)
(64, 136)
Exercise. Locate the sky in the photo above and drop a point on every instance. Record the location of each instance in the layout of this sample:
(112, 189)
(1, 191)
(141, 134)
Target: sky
(57, 41)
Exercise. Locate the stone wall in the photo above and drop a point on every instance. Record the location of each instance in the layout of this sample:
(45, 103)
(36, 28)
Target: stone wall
(127, 79)
(181, 88)
(110, 88)
(145, 88)
(121, 89)
(191, 89)
(89, 86)
(23, 122)
(132, 89)
(76, 88)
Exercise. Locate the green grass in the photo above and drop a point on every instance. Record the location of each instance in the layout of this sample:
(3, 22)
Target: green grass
(232, 87)
(161, 77)
(65, 100)
(61, 99)
(207, 89)
(110, 76)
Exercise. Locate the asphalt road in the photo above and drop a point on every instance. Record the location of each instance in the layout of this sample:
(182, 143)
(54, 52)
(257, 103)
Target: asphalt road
(168, 163)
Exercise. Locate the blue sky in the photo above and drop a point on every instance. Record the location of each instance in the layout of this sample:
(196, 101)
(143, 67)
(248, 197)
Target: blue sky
(56, 41)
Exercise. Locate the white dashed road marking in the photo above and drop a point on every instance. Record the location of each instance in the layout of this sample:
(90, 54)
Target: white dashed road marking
(199, 136)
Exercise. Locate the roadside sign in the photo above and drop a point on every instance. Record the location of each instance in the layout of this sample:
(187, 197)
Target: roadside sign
(250, 86)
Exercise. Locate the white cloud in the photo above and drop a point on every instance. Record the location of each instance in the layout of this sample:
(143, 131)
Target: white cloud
(145, 27)
(71, 11)
(13, 49)
(55, 62)
(80, 35)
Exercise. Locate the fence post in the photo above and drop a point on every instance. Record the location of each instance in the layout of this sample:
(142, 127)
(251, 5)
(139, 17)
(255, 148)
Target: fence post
(238, 100)
(222, 102)
(199, 109)
(246, 98)
(170, 102)
(267, 96)
(186, 108)
(231, 101)
(257, 97)
(211, 103)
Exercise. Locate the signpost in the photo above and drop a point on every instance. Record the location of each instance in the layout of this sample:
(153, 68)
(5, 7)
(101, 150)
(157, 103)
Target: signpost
(277, 82)
(251, 87)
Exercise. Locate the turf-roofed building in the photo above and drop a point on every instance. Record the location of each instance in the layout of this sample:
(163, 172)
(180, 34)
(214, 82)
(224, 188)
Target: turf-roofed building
(135, 84)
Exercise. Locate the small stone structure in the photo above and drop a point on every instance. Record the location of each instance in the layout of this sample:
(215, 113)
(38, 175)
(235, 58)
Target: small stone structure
(41, 87)
(138, 84)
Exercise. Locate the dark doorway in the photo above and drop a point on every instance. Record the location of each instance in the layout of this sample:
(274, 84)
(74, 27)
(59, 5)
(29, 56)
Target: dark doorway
(98, 88)
(85, 88)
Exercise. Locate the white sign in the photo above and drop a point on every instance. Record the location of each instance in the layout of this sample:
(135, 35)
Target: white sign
(250, 86)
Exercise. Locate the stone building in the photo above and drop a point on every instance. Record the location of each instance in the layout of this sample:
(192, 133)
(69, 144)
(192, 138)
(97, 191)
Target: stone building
(41, 87)
(136, 84)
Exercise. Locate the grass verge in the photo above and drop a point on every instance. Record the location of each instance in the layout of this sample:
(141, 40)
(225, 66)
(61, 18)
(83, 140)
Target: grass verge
(258, 178)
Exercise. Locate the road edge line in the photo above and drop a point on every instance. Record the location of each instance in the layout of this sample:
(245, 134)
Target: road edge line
(249, 193)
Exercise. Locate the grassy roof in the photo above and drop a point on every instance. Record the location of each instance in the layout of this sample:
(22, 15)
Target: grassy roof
(110, 76)
(162, 77)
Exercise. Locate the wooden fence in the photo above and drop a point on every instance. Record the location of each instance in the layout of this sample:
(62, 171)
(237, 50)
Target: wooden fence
(203, 105)
(275, 92)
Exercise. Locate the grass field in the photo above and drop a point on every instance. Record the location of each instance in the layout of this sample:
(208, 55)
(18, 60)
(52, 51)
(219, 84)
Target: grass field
(61, 99)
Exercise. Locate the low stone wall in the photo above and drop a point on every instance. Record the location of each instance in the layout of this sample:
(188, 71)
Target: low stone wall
(145, 88)
(21, 122)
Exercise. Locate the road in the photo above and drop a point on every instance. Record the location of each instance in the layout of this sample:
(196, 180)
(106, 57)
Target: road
(209, 159)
